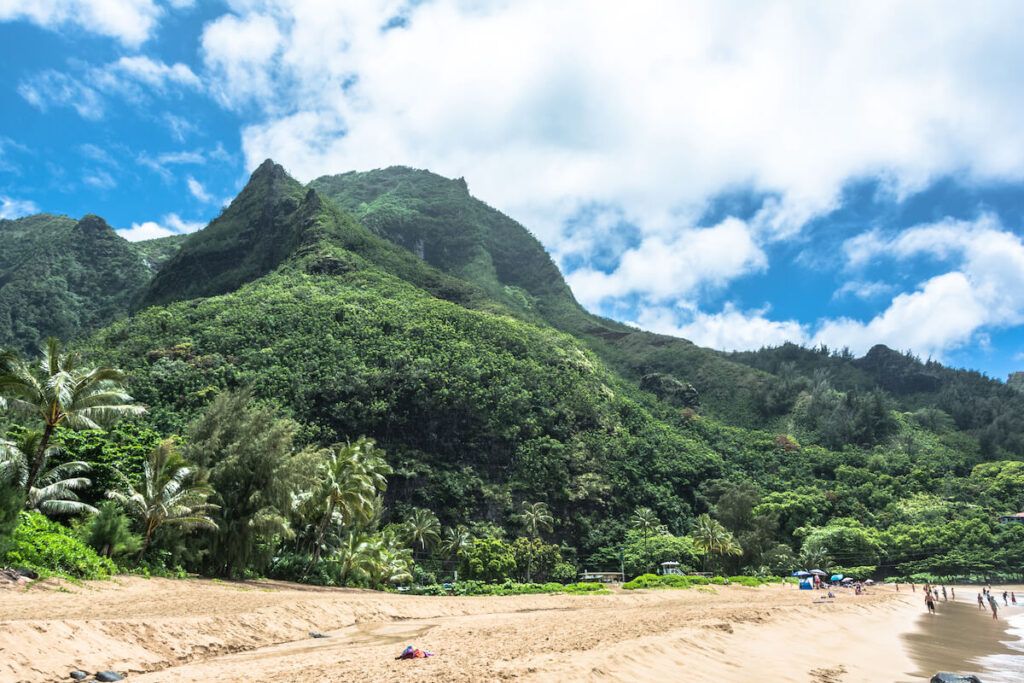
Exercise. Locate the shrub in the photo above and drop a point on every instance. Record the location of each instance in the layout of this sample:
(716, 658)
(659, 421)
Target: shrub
(681, 581)
(49, 548)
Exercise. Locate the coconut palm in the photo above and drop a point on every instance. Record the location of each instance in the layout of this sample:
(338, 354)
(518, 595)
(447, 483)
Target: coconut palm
(646, 522)
(170, 495)
(815, 557)
(536, 517)
(356, 557)
(353, 474)
(392, 560)
(53, 491)
(714, 539)
(58, 391)
(423, 529)
(455, 539)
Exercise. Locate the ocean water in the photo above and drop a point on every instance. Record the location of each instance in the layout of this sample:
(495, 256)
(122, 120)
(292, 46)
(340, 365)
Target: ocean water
(964, 639)
(1006, 667)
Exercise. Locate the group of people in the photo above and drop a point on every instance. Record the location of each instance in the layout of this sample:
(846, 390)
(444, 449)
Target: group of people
(986, 595)
(931, 595)
(986, 598)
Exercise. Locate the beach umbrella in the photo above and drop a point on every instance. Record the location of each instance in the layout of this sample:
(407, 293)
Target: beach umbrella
(848, 579)
(818, 572)
(802, 573)
(836, 577)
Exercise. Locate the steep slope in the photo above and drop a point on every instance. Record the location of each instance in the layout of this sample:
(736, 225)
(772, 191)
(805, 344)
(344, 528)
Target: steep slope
(437, 219)
(63, 278)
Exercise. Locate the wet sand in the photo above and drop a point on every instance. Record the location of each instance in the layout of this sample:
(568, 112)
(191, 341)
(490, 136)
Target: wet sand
(161, 630)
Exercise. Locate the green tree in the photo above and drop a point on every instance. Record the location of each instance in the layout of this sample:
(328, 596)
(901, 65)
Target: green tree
(646, 522)
(488, 559)
(109, 531)
(714, 539)
(455, 539)
(54, 490)
(423, 529)
(59, 391)
(247, 450)
(535, 517)
(169, 495)
(349, 480)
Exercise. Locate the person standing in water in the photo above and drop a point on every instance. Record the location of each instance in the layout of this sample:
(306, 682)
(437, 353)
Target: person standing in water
(943, 594)
(981, 602)
(1006, 603)
(994, 605)
(929, 601)
(1013, 598)
(952, 589)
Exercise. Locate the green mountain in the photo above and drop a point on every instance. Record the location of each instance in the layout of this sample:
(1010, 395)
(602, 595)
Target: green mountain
(395, 305)
(65, 278)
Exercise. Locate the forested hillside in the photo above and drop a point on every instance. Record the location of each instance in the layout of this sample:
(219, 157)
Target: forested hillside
(392, 305)
(65, 278)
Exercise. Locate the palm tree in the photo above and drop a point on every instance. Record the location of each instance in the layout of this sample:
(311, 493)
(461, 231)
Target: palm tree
(170, 495)
(356, 557)
(53, 491)
(714, 539)
(353, 474)
(423, 528)
(645, 521)
(815, 557)
(535, 517)
(455, 539)
(58, 391)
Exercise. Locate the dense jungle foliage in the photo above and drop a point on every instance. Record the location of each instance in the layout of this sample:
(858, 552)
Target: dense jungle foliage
(65, 278)
(378, 380)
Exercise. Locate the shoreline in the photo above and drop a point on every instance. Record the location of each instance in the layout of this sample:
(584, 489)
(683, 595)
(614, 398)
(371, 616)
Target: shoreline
(186, 630)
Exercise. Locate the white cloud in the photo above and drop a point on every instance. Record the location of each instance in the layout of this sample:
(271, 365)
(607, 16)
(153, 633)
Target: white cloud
(134, 79)
(16, 208)
(661, 270)
(172, 224)
(99, 179)
(729, 330)
(55, 88)
(142, 70)
(160, 162)
(863, 289)
(130, 21)
(198, 191)
(238, 52)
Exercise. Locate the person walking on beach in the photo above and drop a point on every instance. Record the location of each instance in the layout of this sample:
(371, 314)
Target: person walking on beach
(1013, 598)
(994, 605)
(943, 594)
(952, 590)
(981, 602)
(929, 602)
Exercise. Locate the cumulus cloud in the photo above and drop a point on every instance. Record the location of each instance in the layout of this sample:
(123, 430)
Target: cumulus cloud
(16, 208)
(729, 330)
(132, 22)
(171, 224)
(660, 269)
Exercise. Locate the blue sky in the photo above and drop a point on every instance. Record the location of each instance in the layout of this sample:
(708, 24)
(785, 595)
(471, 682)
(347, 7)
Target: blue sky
(737, 173)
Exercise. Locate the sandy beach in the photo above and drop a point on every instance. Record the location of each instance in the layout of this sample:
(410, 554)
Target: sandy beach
(198, 630)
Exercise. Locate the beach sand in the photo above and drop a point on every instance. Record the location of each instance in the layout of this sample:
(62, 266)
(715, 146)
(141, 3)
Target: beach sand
(199, 630)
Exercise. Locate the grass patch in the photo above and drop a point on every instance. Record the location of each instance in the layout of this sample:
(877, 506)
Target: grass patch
(679, 581)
